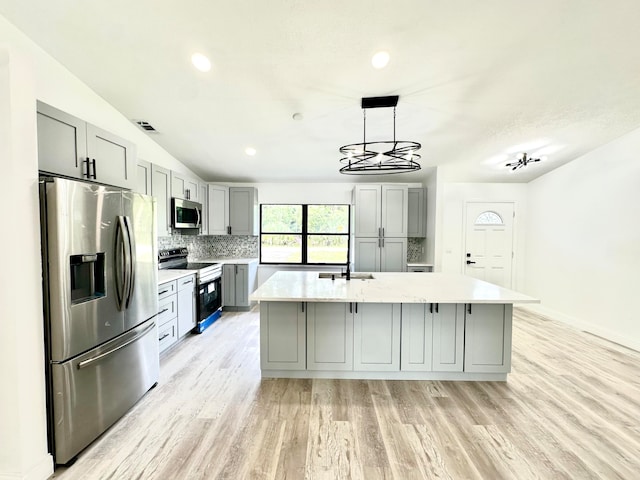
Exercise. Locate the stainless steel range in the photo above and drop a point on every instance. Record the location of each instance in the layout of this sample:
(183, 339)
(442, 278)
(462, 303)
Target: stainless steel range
(208, 283)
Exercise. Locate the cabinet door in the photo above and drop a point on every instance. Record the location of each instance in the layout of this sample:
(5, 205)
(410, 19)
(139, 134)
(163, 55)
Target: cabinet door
(367, 255)
(448, 337)
(282, 336)
(184, 187)
(487, 344)
(113, 158)
(367, 211)
(228, 285)
(143, 178)
(393, 255)
(242, 285)
(62, 142)
(417, 337)
(243, 210)
(417, 212)
(329, 336)
(203, 198)
(186, 305)
(218, 210)
(161, 189)
(376, 337)
(394, 210)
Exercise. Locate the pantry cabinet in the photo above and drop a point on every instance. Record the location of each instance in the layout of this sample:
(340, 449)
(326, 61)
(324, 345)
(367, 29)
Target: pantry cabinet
(69, 146)
(380, 242)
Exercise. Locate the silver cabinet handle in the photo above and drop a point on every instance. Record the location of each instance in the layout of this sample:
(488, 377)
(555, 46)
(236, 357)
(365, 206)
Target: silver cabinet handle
(89, 361)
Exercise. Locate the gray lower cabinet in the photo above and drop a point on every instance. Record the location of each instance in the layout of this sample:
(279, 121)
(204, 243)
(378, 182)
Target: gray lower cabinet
(448, 337)
(380, 254)
(433, 337)
(69, 146)
(376, 337)
(186, 304)
(487, 343)
(238, 282)
(283, 336)
(330, 336)
(167, 315)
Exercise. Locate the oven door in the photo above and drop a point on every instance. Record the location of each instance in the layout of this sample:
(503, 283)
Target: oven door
(209, 302)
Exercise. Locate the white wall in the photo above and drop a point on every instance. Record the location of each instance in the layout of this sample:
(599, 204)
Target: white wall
(27, 74)
(23, 435)
(583, 245)
(451, 224)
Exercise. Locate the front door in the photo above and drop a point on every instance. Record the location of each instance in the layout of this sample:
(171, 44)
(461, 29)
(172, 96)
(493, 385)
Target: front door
(489, 242)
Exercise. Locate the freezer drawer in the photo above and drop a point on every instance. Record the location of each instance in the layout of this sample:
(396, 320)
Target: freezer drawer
(93, 390)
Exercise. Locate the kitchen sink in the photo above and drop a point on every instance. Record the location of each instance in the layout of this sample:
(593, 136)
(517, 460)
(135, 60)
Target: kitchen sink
(338, 276)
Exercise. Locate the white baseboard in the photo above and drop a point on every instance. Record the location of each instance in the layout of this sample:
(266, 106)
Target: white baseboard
(580, 324)
(42, 470)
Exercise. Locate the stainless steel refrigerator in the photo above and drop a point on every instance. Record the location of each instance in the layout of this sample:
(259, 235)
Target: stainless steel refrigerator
(100, 291)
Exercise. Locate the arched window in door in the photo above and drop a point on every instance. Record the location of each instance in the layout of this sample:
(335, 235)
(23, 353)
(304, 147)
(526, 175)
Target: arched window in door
(489, 218)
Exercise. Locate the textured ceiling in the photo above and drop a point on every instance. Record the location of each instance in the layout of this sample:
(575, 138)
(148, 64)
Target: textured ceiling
(478, 81)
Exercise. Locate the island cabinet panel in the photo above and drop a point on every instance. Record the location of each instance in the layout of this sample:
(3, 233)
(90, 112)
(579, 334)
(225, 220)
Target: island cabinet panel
(417, 337)
(488, 338)
(283, 335)
(448, 337)
(376, 337)
(330, 336)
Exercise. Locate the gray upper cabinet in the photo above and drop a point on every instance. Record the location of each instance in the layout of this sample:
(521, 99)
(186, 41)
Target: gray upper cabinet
(184, 187)
(243, 211)
(218, 200)
(143, 178)
(381, 210)
(71, 147)
(203, 198)
(417, 221)
(161, 190)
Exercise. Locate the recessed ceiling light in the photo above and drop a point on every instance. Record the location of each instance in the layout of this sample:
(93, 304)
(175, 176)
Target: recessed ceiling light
(380, 59)
(201, 62)
(250, 151)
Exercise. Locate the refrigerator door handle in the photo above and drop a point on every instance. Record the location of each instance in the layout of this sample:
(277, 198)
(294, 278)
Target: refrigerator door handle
(131, 257)
(120, 265)
(92, 360)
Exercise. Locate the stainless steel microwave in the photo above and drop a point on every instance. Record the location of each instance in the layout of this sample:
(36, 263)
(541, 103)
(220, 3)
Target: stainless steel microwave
(185, 213)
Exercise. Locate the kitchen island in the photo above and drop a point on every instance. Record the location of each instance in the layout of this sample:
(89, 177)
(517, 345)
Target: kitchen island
(411, 326)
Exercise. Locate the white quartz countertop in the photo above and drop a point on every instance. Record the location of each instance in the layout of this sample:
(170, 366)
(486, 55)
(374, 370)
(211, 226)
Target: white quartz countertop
(287, 286)
(229, 261)
(170, 275)
(418, 264)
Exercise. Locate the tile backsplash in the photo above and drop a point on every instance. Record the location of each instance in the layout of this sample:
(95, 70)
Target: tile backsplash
(415, 247)
(233, 246)
(213, 246)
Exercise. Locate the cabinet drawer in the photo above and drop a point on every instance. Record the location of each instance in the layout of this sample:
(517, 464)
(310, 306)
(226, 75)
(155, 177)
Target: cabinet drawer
(166, 289)
(167, 309)
(187, 282)
(168, 334)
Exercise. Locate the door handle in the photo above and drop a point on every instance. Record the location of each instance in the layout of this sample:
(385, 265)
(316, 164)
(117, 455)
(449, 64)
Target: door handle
(469, 262)
(89, 361)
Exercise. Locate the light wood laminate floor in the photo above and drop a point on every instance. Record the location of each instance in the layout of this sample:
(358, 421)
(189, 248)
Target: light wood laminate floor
(570, 409)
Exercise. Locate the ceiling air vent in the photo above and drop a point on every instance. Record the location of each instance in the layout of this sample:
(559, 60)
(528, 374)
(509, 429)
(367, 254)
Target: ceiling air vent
(146, 126)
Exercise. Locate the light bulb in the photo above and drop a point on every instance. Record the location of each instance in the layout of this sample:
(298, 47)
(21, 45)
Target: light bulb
(201, 62)
(380, 59)
(250, 151)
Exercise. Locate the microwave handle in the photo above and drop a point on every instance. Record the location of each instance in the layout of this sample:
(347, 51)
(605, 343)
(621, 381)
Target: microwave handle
(198, 221)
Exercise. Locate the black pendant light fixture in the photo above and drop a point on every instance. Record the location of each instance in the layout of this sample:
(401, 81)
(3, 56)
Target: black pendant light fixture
(522, 161)
(381, 157)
